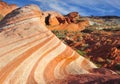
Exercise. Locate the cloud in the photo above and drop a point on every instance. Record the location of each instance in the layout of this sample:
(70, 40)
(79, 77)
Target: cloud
(61, 6)
(84, 7)
(115, 4)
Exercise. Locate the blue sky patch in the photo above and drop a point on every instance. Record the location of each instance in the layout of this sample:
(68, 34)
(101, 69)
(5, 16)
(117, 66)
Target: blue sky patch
(84, 7)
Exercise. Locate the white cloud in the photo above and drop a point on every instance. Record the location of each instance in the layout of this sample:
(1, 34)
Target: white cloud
(58, 8)
(115, 3)
(82, 6)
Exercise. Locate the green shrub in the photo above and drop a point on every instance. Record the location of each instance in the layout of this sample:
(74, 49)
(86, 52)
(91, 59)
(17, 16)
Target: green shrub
(1, 17)
(88, 30)
(83, 53)
(112, 29)
(117, 66)
(59, 34)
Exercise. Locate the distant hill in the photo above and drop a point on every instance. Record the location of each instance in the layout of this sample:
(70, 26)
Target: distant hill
(105, 17)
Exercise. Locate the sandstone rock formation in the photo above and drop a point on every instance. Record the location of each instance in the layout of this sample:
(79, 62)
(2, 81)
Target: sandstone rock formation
(31, 54)
(51, 18)
(73, 16)
(6, 8)
(104, 46)
(56, 21)
(70, 27)
(70, 22)
(101, 47)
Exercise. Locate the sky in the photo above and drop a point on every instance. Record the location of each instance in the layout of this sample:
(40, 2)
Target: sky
(84, 7)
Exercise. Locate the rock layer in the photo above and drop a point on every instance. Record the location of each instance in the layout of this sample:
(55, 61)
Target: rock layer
(30, 49)
(31, 54)
(71, 26)
(69, 22)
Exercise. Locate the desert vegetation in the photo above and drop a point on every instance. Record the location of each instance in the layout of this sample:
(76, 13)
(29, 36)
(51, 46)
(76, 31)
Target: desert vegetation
(100, 46)
(1, 17)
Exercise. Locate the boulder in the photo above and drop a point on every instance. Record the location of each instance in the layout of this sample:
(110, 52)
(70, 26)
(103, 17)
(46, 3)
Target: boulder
(72, 17)
(52, 18)
(73, 14)
(53, 21)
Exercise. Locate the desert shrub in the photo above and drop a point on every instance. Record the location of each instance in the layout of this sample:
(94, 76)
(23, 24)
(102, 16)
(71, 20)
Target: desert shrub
(1, 17)
(59, 34)
(117, 66)
(83, 53)
(107, 29)
(66, 32)
(88, 30)
(112, 29)
(98, 64)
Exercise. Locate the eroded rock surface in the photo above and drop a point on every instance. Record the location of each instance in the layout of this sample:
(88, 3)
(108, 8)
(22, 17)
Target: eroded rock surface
(30, 53)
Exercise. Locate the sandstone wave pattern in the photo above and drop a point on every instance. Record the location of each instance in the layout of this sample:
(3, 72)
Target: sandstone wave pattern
(31, 54)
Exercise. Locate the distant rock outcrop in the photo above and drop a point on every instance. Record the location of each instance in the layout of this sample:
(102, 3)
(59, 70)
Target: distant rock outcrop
(73, 16)
(32, 54)
(70, 26)
(51, 18)
(70, 22)
(6, 8)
